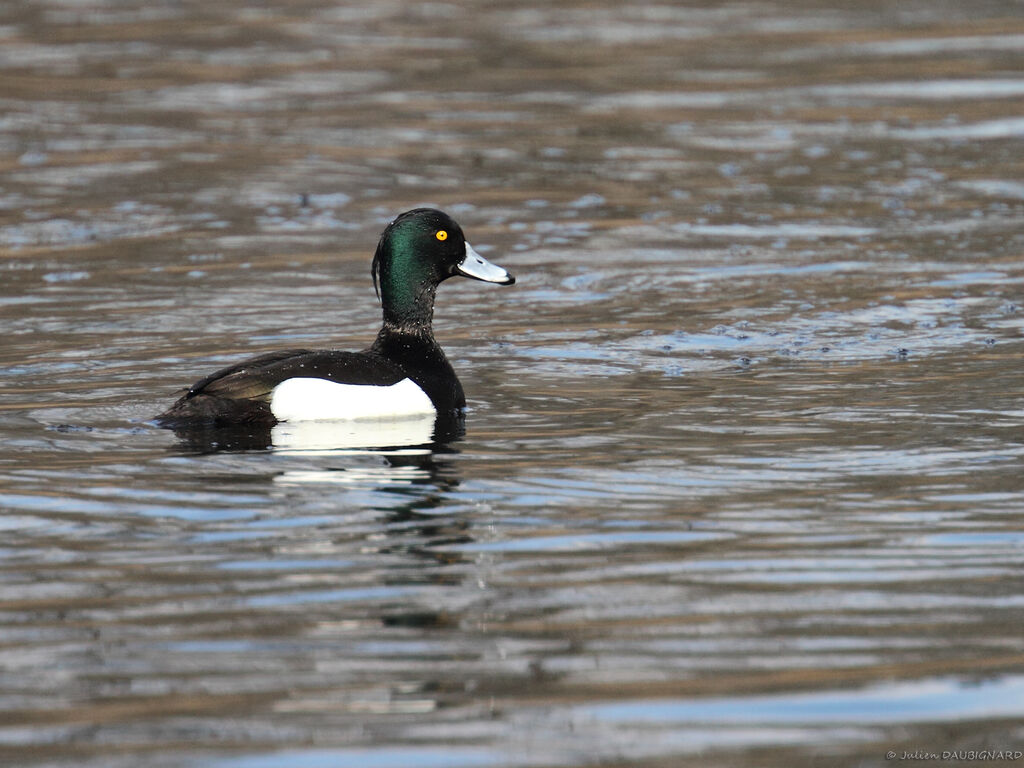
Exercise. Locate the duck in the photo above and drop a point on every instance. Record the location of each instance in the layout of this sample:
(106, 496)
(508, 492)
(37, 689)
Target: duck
(403, 374)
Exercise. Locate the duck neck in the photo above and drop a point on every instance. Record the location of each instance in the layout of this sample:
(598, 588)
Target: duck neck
(408, 312)
(408, 307)
(407, 288)
(413, 347)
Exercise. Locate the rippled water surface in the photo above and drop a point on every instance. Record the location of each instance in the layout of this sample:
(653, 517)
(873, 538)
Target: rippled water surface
(741, 483)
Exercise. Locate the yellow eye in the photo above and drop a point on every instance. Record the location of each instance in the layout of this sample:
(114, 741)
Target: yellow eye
(441, 235)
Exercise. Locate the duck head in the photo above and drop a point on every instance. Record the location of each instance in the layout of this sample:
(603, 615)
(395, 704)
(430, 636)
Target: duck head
(417, 252)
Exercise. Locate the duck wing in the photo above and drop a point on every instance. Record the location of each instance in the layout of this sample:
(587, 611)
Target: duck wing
(255, 379)
(238, 373)
(241, 393)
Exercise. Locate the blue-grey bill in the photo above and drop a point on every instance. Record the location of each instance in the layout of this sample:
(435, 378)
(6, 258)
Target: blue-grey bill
(476, 266)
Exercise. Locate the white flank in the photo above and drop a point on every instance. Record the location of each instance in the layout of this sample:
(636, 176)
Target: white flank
(307, 399)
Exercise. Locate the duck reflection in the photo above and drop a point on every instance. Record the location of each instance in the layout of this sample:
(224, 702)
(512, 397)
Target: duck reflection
(385, 490)
(396, 466)
(422, 432)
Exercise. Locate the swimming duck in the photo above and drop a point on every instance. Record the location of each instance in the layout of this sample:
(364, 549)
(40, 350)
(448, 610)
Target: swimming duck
(403, 373)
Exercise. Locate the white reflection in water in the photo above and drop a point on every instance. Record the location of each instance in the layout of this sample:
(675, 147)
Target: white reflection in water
(361, 433)
(384, 476)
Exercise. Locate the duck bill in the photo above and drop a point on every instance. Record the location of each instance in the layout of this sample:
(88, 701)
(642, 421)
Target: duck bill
(476, 266)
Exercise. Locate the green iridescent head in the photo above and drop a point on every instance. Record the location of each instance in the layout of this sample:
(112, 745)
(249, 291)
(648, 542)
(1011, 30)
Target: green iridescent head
(419, 250)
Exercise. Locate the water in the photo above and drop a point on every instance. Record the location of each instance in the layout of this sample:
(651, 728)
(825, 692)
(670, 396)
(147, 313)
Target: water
(741, 479)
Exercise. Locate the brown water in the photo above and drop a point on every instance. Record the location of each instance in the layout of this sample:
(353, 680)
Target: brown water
(741, 483)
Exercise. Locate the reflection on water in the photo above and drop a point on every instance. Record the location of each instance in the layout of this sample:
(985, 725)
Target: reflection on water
(327, 436)
(363, 433)
(740, 479)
